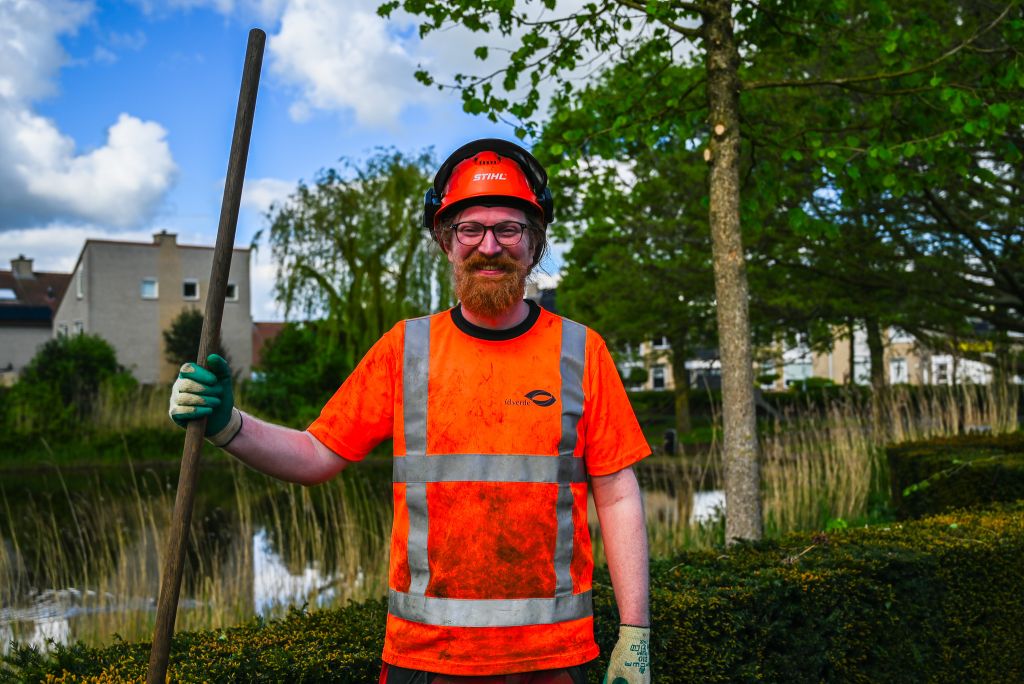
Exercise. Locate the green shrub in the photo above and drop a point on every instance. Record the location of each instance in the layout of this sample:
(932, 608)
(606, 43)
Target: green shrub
(953, 472)
(936, 600)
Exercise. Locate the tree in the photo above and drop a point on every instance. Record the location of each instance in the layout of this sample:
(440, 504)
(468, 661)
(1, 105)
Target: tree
(639, 226)
(351, 250)
(296, 375)
(181, 339)
(781, 49)
(58, 388)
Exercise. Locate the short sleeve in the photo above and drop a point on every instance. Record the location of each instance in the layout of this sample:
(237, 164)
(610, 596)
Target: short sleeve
(360, 415)
(613, 436)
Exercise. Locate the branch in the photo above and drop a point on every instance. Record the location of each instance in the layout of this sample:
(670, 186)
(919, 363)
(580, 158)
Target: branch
(691, 33)
(846, 82)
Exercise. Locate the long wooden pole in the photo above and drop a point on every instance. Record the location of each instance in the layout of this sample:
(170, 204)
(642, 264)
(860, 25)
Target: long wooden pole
(174, 559)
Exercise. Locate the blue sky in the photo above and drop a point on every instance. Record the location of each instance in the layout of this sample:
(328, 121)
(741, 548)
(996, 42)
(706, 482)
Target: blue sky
(116, 117)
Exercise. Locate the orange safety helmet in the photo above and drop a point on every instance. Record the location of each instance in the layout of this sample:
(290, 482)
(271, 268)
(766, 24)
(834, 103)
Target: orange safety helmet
(489, 171)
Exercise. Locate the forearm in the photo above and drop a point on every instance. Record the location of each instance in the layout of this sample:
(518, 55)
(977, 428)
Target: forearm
(624, 532)
(284, 453)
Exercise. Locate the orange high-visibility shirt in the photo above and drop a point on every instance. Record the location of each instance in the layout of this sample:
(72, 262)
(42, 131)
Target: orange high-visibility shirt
(495, 433)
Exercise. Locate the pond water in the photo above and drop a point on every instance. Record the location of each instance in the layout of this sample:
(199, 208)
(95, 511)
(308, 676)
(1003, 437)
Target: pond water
(80, 548)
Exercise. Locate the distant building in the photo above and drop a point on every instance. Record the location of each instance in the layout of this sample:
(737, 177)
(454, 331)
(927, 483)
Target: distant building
(128, 293)
(28, 300)
(906, 361)
(263, 332)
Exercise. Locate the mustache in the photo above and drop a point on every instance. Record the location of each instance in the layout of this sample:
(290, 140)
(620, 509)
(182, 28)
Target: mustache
(500, 262)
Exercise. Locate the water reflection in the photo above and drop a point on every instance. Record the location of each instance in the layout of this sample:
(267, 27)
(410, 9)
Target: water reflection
(257, 547)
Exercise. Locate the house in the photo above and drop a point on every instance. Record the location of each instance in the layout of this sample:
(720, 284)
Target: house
(906, 362)
(128, 293)
(28, 300)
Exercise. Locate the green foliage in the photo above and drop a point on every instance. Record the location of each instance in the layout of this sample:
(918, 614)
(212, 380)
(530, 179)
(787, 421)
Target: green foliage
(181, 339)
(296, 375)
(933, 600)
(352, 252)
(936, 475)
(58, 388)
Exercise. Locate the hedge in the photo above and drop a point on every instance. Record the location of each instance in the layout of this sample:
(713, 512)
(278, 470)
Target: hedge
(935, 600)
(941, 474)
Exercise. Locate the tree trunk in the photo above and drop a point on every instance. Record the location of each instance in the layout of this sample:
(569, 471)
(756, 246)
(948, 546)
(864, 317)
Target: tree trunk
(681, 382)
(877, 349)
(851, 378)
(742, 466)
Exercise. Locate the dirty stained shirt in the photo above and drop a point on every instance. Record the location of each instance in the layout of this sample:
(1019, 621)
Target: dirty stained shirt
(490, 393)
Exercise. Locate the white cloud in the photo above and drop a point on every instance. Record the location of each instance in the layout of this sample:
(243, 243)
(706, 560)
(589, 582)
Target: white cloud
(259, 194)
(342, 56)
(55, 247)
(43, 177)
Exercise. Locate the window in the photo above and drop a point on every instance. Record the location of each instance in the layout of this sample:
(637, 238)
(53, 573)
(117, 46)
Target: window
(658, 377)
(660, 342)
(942, 373)
(898, 370)
(232, 293)
(190, 289)
(79, 285)
(797, 372)
(62, 329)
(8, 295)
(79, 327)
(150, 288)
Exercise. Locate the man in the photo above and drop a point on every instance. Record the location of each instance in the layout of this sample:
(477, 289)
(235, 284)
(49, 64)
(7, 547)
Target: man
(499, 412)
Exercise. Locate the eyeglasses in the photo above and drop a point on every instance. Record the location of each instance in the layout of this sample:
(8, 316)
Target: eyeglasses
(507, 233)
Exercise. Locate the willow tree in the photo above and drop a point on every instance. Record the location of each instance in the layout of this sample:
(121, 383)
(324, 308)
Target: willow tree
(351, 251)
(828, 55)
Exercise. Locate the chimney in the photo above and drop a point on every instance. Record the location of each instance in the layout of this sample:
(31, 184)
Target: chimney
(22, 268)
(164, 238)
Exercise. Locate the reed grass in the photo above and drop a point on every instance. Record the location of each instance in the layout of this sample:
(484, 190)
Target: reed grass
(102, 559)
(102, 553)
(824, 464)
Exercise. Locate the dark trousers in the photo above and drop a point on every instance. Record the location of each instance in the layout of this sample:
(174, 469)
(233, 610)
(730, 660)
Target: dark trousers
(390, 674)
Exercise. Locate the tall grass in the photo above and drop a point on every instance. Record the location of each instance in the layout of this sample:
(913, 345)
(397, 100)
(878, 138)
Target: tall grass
(102, 554)
(823, 464)
(98, 559)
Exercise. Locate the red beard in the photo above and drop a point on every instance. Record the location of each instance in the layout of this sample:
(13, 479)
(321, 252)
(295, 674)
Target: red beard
(487, 296)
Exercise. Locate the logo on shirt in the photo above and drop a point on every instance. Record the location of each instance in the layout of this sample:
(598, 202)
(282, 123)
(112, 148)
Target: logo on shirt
(541, 397)
(537, 397)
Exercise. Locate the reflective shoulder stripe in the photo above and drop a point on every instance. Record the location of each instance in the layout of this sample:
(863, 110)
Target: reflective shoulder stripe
(572, 363)
(489, 612)
(487, 468)
(415, 373)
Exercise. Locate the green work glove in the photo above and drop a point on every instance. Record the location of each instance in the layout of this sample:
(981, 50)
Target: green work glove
(199, 392)
(631, 661)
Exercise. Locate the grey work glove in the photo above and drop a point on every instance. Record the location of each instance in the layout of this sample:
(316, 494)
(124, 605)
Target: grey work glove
(199, 392)
(631, 660)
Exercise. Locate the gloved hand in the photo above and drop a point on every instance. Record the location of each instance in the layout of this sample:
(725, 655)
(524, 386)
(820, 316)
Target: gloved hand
(200, 392)
(631, 661)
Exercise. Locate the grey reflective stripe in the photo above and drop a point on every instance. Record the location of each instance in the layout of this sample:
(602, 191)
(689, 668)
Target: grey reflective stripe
(489, 612)
(487, 468)
(571, 365)
(415, 371)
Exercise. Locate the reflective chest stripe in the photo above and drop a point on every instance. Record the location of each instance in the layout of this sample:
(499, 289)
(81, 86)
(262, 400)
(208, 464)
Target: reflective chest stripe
(416, 470)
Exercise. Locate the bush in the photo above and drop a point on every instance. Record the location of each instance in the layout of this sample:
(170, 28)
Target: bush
(952, 472)
(58, 388)
(299, 372)
(934, 600)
